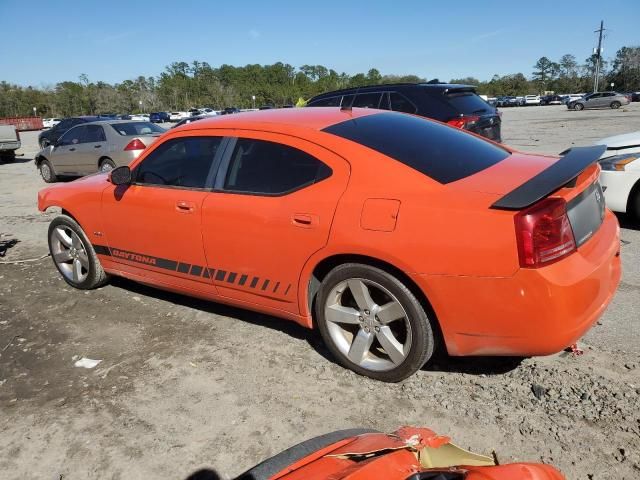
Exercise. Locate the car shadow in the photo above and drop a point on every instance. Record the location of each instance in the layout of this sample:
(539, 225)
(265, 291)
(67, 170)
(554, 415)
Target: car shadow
(627, 221)
(7, 161)
(204, 474)
(473, 365)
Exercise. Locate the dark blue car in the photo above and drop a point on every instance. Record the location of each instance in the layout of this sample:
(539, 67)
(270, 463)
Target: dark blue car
(159, 117)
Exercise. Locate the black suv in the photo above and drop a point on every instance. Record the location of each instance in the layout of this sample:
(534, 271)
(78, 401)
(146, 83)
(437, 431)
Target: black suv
(457, 105)
(52, 135)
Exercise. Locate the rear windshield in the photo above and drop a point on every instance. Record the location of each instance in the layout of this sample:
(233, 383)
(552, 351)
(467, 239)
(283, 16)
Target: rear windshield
(137, 128)
(443, 153)
(468, 102)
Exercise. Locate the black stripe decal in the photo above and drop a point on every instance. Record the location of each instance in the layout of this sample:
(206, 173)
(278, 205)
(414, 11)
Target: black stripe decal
(232, 277)
(206, 273)
(287, 290)
(243, 280)
(254, 282)
(275, 289)
(221, 274)
(183, 267)
(265, 284)
(196, 270)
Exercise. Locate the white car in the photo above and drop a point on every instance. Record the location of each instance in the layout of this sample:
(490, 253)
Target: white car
(620, 175)
(140, 116)
(573, 96)
(50, 122)
(531, 100)
(177, 116)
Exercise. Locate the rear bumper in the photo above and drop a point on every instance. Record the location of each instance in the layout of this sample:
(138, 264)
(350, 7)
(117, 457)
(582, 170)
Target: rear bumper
(534, 312)
(8, 146)
(617, 187)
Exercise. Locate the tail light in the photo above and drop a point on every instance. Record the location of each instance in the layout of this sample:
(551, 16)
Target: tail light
(463, 121)
(17, 135)
(544, 233)
(135, 144)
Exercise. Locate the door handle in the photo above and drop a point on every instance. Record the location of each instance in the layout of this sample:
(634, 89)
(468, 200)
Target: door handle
(304, 220)
(72, 149)
(185, 207)
(97, 146)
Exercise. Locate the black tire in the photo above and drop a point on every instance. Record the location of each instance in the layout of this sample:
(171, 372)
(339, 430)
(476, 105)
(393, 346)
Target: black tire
(106, 165)
(421, 342)
(47, 172)
(95, 276)
(615, 105)
(633, 204)
(578, 106)
(8, 157)
(277, 463)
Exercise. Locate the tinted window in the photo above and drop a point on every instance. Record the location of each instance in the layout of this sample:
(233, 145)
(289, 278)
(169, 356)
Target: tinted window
(367, 100)
(182, 162)
(73, 136)
(65, 124)
(400, 103)
(258, 166)
(347, 100)
(94, 133)
(443, 153)
(137, 128)
(326, 102)
(468, 102)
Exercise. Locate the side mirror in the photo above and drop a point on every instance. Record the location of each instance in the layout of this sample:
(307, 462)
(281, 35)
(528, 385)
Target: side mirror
(120, 176)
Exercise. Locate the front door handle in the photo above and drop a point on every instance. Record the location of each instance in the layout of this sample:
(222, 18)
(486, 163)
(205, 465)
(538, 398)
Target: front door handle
(72, 149)
(185, 207)
(304, 220)
(97, 146)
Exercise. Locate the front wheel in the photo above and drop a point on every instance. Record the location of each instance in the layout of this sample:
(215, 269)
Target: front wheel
(47, 172)
(578, 107)
(615, 105)
(107, 165)
(73, 255)
(372, 323)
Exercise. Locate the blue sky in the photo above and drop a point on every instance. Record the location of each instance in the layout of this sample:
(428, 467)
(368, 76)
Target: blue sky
(44, 42)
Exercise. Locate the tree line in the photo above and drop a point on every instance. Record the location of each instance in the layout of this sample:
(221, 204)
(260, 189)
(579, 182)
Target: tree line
(184, 85)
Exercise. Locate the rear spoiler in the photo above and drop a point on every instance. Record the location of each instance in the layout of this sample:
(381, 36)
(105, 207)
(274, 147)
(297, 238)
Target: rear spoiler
(551, 179)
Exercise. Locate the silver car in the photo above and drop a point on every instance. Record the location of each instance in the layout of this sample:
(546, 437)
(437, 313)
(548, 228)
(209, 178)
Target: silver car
(96, 146)
(599, 100)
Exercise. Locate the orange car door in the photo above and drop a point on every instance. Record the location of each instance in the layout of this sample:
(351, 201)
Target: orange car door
(272, 208)
(153, 226)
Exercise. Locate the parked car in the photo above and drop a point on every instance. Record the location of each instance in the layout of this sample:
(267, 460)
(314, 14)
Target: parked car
(508, 101)
(230, 110)
(123, 117)
(177, 116)
(599, 100)
(365, 223)
(48, 137)
(96, 146)
(635, 96)
(531, 100)
(187, 120)
(409, 453)
(457, 105)
(9, 142)
(159, 117)
(551, 100)
(141, 117)
(572, 97)
(50, 122)
(620, 175)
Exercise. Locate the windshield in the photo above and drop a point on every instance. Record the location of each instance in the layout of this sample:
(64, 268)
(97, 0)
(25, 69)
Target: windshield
(137, 128)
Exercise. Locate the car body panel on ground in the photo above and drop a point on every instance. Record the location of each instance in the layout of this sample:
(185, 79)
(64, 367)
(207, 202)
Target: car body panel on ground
(257, 210)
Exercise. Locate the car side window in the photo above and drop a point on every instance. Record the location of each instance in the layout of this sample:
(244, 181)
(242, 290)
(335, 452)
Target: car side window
(94, 133)
(367, 100)
(269, 168)
(65, 124)
(73, 136)
(384, 101)
(400, 103)
(326, 102)
(180, 162)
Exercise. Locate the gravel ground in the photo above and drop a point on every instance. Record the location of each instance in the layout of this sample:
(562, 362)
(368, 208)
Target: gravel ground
(185, 384)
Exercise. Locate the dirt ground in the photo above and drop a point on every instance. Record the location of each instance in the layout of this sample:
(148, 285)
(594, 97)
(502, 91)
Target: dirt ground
(185, 384)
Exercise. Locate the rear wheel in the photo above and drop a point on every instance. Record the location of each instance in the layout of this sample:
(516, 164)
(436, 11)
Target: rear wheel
(578, 106)
(47, 172)
(615, 105)
(372, 323)
(633, 206)
(73, 255)
(107, 165)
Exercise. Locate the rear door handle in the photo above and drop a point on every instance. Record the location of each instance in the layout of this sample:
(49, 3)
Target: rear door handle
(97, 146)
(72, 149)
(304, 220)
(185, 207)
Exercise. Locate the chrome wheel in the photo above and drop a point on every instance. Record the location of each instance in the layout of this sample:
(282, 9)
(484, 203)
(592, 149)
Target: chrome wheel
(106, 166)
(69, 253)
(45, 171)
(368, 324)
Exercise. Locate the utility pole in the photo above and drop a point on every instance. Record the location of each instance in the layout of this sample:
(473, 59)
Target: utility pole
(598, 56)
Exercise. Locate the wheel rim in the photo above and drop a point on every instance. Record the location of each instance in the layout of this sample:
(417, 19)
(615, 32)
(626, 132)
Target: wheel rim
(106, 167)
(45, 171)
(368, 324)
(69, 253)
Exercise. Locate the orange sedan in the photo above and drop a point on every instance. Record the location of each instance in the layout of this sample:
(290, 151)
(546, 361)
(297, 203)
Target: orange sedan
(393, 234)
